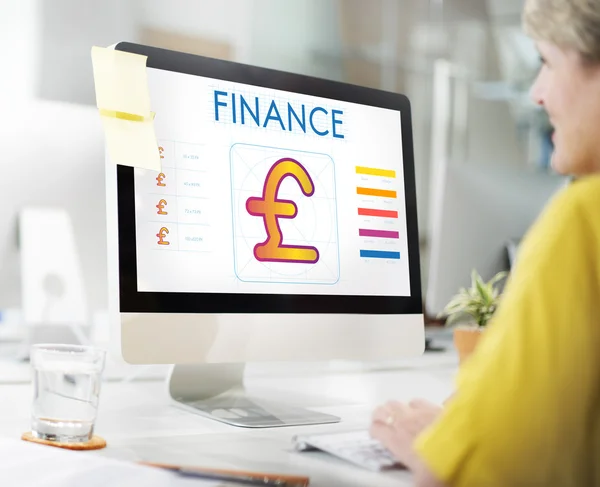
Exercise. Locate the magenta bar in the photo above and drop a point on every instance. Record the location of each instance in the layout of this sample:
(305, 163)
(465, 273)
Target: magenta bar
(377, 233)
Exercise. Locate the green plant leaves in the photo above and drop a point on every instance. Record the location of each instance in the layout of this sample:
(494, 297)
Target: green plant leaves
(478, 303)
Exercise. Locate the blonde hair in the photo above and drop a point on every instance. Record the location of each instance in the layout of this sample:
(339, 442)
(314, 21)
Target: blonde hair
(570, 24)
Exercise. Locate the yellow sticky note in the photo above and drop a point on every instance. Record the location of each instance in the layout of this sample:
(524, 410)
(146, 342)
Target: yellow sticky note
(121, 81)
(132, 143)
(123, 98)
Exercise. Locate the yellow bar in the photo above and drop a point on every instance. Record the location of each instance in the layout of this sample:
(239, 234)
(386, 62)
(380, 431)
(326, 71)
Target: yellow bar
(385, 193)
(125, 116)
(371, 171)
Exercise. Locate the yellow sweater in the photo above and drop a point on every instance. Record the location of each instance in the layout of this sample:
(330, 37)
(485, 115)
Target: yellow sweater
(527, 407)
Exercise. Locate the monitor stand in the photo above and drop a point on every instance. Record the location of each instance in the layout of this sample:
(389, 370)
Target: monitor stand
(217, 391)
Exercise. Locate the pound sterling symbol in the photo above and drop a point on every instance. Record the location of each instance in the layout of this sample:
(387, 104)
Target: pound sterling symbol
(162, 234)
(270, 208)
(161, 207)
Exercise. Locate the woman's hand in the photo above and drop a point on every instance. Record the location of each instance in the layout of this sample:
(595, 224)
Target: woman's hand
(397, 424)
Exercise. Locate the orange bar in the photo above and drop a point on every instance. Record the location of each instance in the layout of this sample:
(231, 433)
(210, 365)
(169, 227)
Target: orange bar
(384, 193)
(381, 213)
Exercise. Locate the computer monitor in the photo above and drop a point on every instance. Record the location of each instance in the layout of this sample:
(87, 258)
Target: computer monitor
(53, 157)
(282, 227)
(480, 213)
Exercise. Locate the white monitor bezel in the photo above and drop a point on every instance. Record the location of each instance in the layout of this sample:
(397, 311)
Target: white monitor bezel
(182, 328)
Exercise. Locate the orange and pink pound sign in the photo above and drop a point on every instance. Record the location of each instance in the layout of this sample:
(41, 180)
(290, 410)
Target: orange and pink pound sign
(161, 207)
(159, 179)
(270, 208)
(162, 234)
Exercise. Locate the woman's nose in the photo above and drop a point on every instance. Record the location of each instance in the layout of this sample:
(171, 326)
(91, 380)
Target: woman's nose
(536, 92)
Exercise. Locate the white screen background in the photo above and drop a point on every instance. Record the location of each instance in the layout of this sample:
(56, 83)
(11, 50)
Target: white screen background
(212, 167)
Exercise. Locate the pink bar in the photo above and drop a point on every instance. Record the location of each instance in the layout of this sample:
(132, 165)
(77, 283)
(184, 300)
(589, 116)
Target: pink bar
(378, 233)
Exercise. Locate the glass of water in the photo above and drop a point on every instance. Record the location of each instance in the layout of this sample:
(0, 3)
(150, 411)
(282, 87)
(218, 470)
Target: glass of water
(66, 382)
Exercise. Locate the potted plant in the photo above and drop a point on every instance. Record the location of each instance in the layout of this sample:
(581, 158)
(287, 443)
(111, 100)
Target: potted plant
(473, 307)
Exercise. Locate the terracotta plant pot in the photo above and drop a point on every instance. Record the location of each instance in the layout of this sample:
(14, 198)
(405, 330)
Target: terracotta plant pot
(465, 341)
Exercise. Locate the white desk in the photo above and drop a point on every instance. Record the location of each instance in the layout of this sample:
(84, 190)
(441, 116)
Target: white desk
(139, 423)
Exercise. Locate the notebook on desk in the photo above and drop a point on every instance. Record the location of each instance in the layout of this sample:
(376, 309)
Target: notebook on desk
(29, 465)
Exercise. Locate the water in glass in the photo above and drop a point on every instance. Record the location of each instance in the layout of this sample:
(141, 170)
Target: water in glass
(66, 394)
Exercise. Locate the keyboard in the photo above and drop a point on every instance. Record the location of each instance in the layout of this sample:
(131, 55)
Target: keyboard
(356, 447)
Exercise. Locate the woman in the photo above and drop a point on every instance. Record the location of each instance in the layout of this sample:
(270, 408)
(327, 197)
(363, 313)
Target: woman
(526, 411)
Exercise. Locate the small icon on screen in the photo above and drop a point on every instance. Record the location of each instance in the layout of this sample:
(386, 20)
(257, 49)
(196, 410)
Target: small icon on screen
(161, 207)
(162, 234)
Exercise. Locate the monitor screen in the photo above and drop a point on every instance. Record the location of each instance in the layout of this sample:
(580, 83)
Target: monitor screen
(265, 191)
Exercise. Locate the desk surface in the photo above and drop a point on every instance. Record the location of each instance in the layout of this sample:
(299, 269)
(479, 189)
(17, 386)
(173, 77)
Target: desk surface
(139, 423)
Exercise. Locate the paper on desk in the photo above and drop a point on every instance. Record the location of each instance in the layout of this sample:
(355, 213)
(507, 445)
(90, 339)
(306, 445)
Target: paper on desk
(123, 98)
(25, 464)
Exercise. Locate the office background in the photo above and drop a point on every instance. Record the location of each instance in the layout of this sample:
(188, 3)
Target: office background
(482, 152)
(464, 64)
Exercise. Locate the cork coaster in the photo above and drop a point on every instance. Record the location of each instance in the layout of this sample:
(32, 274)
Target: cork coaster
(96, 443)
